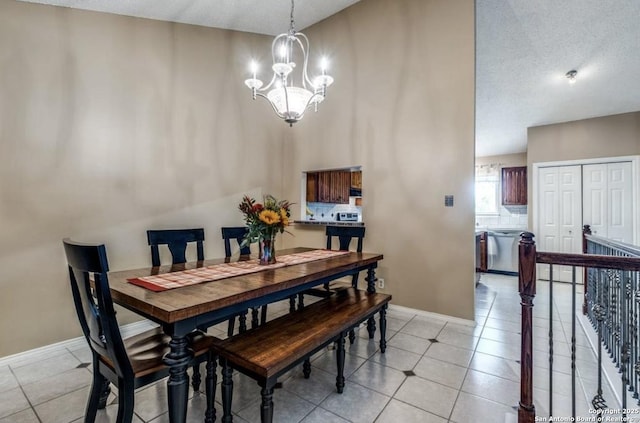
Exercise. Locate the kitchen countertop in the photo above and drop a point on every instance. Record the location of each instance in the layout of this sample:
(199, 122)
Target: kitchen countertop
(327, 223)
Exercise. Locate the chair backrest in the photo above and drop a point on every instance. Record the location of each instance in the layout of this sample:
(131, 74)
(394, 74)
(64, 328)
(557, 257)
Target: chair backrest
(237, 233)
(176, 240)
(94, 306)
(345, 234)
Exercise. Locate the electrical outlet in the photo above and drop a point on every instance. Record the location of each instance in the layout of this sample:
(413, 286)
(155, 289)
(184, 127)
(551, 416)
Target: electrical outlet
(381, 283)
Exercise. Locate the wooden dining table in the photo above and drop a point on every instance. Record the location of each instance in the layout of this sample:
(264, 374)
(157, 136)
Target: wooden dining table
(182, 310)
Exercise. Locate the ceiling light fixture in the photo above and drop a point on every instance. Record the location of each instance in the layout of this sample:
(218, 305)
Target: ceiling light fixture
(291, 93)
(571, 76)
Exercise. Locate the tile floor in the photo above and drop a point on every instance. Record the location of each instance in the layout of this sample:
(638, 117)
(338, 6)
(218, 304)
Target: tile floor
(434, 371)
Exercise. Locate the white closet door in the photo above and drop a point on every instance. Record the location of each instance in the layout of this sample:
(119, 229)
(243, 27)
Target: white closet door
(560, 216)
(608, 207)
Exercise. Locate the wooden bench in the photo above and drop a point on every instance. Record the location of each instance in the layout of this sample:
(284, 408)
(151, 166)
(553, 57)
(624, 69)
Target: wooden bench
(266, 352)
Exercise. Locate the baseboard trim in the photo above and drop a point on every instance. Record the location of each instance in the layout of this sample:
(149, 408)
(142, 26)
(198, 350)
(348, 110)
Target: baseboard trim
(72, 344)
(432, 315)
(142, 325)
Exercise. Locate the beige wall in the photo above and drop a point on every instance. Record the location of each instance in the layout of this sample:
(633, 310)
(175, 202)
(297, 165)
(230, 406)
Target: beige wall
(505, 160)
(608, 136)
(112, 125)
(402, 107)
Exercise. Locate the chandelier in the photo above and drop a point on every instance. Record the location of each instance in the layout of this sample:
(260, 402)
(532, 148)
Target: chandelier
(290, 91)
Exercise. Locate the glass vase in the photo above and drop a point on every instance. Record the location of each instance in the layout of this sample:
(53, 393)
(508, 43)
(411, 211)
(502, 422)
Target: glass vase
(267, 245)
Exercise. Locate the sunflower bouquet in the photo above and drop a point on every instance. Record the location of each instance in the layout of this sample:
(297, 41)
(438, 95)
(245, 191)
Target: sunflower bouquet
(264, 220)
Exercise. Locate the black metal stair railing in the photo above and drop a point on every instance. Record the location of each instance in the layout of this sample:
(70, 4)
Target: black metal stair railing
(612, 304)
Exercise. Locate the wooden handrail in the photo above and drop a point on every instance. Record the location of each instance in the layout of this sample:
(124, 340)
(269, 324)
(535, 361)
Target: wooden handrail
(590, 260)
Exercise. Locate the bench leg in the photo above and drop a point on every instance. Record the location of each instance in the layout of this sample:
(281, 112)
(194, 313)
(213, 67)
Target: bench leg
(383, 329)
(210, 389)
(266, 408)
(227, 391)
(306, 368)
(300, 301)
(340, 361)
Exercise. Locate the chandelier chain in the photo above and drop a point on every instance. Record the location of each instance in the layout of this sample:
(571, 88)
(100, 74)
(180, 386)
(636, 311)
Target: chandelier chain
(292, 28)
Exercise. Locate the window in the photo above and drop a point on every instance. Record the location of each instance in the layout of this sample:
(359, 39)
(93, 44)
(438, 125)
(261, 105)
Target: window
(487, 190)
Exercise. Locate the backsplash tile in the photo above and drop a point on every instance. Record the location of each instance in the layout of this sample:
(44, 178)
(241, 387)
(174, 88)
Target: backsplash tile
(328, 211)
(516, 218)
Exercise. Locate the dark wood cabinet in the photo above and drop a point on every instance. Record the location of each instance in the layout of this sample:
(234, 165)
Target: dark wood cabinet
(514, 186)
(312, 187)
(330, 186)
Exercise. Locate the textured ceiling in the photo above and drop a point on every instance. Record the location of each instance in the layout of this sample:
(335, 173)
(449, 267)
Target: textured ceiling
(523, 50)
(260, 16)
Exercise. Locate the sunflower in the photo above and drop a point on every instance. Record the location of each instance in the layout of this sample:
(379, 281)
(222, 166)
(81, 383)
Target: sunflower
(269, 217)
(283, 217)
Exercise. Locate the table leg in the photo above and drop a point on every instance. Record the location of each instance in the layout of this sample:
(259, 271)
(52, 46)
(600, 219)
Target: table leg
(178, 360)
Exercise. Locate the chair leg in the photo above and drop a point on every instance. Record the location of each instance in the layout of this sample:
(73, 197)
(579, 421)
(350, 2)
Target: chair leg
(292, 304)
(227, 391)
(93, 403)
(263, 317)
(210, 387)
(266, 408)
(300, 301)
(340, 362)
(254, 318)
(352, 336)
(196, 378)
(306, 368)
(126, 394)
(243, 321)
(232, 323)
(371, 327)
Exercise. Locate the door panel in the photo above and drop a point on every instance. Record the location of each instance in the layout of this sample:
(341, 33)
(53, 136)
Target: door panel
(560, 215)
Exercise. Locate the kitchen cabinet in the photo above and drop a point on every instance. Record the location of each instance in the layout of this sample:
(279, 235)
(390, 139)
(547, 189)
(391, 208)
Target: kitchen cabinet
(356, 179)
(331, 186)
(514, 186)
(312, 187)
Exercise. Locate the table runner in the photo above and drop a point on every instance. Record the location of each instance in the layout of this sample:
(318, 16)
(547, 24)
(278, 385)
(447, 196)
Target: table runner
(166, 281)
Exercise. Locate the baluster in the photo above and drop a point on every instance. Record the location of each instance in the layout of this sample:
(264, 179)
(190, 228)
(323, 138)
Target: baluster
(599, 311)
(551, 340)
(573, 342)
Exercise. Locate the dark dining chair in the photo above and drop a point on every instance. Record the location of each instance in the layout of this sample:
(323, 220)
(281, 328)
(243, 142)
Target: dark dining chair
(127, 363)
(345, 235)
(176, 241)
(238, 233)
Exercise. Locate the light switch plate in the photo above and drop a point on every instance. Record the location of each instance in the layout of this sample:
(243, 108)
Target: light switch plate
(448, 200)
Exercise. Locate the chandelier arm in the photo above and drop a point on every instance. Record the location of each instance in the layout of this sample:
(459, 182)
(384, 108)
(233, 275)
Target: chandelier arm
(305, 54)
(281, 116)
